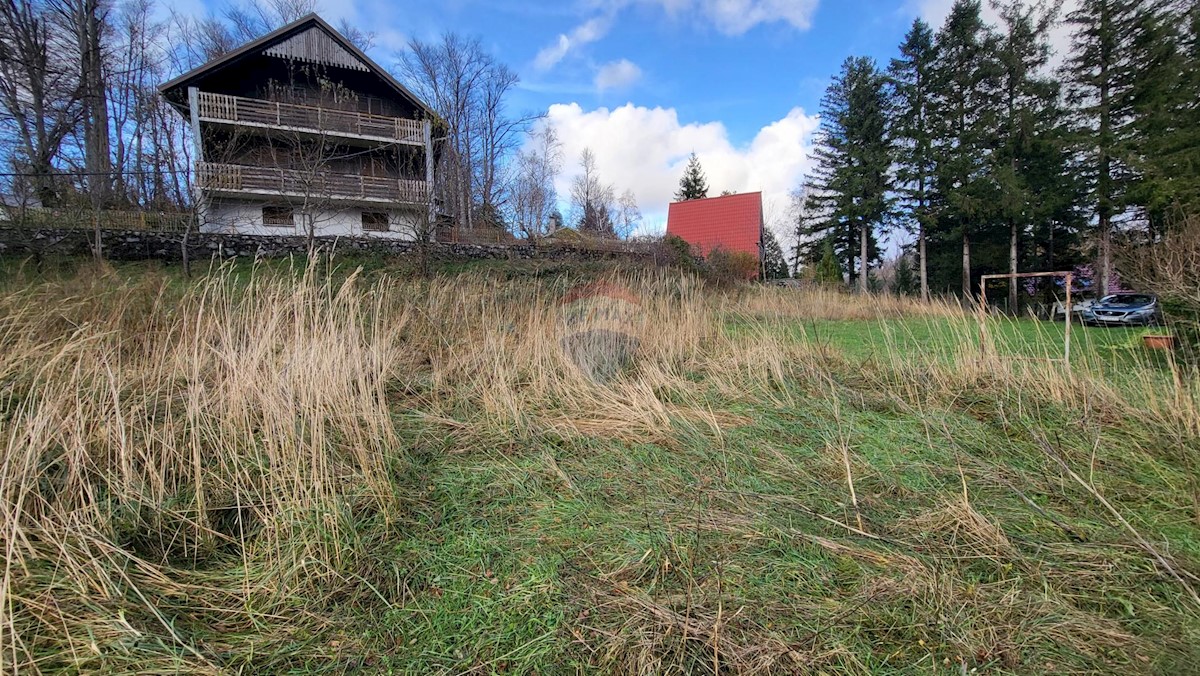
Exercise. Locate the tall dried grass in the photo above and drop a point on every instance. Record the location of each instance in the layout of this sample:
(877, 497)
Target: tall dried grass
(178, 453)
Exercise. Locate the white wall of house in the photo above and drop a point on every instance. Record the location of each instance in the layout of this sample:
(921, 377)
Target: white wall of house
(246, 218)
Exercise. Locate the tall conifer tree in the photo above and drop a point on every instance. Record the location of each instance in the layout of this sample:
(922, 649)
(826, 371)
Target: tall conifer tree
(909, 76)
(693, 185)
(1028, 116)
(1101, 78)
(966, 82)
(848, 193)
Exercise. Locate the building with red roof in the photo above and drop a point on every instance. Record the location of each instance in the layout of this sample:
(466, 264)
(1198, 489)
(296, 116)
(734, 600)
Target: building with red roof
(729, 222)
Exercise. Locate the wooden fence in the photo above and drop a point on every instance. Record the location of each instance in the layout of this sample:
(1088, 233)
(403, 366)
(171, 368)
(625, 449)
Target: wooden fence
(83, 218)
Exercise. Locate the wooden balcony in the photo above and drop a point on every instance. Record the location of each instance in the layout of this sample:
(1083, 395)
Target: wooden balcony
(315, 186)
(316, 120)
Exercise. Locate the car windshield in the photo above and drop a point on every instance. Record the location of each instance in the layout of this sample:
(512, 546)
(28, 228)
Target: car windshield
(1128, 299)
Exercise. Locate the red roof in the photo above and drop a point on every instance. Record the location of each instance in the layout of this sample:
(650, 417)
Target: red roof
(732, 222)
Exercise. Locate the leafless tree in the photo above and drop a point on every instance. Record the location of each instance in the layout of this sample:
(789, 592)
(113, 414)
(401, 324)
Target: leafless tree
(40, 94)
(592, 199)
(629, 216)
(532, 197)
(467, 88)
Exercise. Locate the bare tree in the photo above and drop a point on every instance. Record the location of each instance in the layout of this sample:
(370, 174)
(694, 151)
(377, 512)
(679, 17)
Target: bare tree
(40, 95)
(532, 197)
(592, 199)
(629, 216)
(468, 88)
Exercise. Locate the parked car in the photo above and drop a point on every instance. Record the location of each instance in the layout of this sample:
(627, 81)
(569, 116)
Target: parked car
(1124, 309)
(1078, 307)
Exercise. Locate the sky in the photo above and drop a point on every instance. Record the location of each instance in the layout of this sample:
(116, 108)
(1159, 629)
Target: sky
(644, 83)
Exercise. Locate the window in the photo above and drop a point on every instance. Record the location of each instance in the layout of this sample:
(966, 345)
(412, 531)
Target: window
(374, 221)
(278, 216)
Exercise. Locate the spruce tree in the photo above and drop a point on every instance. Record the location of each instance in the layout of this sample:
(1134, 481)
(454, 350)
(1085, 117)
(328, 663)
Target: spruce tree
(774, 264)
(828, 272)
(909, 77)
(693, 185)
(963, 120)
(1101, 75)
(1029, 115)
(1166, 117)
(848, 192)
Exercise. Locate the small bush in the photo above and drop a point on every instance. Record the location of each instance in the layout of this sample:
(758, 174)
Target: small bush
(673, 251)
(730, 267)
(1170, 267)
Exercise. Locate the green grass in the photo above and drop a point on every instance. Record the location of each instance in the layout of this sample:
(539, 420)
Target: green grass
(540, 552)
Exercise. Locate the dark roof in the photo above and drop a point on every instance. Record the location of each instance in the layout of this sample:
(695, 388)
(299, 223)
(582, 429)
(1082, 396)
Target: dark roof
(730, 222)
(279, 35)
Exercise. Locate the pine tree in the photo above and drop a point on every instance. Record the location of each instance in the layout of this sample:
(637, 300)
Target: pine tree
(909, 77)
(828, 271)
(1166, 87)
(848, 192)
(1029, 114)
(963, 119)
(693, 185)
(1101, 75)
(774, 264)
(903, 283)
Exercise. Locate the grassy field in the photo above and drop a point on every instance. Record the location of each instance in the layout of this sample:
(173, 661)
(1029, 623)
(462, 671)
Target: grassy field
(290, 470)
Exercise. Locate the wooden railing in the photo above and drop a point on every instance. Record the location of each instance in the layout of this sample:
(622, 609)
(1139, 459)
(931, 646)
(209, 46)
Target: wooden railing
(315, 185)
(86, 218)
(315, 119)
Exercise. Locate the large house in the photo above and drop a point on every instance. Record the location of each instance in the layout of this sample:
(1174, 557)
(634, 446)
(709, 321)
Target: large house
(299, 132)
(729, 222)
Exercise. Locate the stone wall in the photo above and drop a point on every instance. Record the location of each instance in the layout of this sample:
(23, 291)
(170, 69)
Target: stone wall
(131, 245)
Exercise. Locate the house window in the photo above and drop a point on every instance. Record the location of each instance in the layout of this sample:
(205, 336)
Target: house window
(374, 221)
(278, 216)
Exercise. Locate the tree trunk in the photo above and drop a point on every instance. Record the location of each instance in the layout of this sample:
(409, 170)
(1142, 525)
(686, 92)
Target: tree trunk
(921, 215)
(966, 263)
(1012, 267)
(862, 258)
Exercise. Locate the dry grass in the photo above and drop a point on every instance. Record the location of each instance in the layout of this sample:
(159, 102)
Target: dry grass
(195, 474)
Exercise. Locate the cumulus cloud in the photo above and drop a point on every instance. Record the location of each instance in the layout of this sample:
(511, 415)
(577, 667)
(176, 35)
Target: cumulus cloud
(617, 75)
(645, 149)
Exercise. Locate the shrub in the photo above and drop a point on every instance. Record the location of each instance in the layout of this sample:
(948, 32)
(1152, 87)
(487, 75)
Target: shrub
(1170, 267)
(730, 267)
(674, 252)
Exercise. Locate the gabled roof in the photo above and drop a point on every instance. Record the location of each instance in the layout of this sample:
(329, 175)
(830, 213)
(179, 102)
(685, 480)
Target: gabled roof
(731, 222)
(280, 41)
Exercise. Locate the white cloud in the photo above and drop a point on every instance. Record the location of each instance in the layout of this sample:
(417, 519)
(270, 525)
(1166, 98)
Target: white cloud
(735, 17)
(617, 75)
(645, 150)
(732, 17)
(587, 32)
(934, 12)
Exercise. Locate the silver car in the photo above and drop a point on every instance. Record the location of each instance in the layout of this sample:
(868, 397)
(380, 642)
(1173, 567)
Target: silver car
(1124, 309)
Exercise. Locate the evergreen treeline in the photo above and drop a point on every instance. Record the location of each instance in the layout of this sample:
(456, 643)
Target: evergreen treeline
(982, 157)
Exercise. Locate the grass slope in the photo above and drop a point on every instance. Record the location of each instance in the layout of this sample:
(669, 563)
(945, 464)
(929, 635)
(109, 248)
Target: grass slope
(290, 471)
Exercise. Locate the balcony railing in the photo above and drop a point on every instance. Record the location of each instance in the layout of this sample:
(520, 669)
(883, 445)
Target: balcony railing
(313, 185)
(312, 119)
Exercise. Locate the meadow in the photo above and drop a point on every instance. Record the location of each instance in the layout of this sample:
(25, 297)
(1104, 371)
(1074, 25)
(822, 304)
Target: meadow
(335, 468)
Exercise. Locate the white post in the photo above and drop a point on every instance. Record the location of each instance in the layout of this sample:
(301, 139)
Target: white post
(198, 144)
(427, 133)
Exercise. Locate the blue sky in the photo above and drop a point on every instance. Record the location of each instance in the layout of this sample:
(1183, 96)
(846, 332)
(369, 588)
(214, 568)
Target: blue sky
(644, 83)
